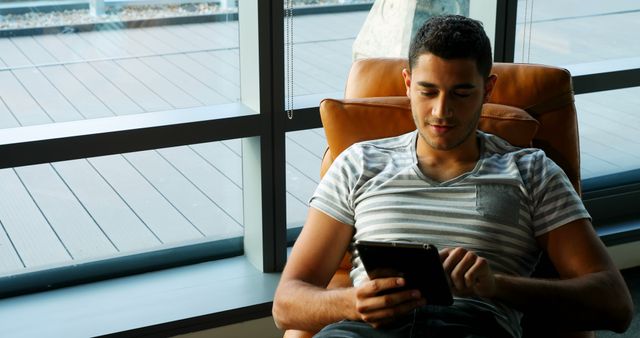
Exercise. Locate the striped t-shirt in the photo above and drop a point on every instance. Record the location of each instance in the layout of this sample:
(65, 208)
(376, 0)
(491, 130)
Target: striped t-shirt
(496, 210)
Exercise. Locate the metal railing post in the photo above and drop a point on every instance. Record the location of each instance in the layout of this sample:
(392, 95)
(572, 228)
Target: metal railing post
(96, 7)
(226, 4)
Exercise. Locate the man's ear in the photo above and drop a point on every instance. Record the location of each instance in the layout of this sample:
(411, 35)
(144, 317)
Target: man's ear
(406, 75)
(489, 84)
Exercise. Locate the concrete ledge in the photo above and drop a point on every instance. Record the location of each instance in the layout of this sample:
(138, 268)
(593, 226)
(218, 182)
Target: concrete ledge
(168, 302)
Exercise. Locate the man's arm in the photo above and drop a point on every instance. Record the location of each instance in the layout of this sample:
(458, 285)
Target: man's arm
(301, 301)
(591, 293)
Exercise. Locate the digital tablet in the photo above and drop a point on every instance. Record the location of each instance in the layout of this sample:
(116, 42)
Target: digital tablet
(419, 264)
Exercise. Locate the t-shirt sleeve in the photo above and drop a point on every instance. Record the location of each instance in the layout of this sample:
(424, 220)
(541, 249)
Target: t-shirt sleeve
(555, 201)
(335, 194)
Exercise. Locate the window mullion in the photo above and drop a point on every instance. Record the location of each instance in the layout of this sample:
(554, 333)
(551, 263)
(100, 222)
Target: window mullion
(262, 89)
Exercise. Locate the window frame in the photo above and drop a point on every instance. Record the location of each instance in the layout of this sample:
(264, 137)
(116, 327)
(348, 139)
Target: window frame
(256, 119)
(261, 118)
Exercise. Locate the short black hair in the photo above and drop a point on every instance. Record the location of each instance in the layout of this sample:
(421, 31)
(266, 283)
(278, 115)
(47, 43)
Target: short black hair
(453, 37)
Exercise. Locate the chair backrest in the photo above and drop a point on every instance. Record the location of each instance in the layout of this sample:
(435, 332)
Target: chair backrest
(545, 93)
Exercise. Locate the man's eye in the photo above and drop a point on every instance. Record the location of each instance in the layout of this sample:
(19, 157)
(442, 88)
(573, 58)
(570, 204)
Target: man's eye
(429, 94)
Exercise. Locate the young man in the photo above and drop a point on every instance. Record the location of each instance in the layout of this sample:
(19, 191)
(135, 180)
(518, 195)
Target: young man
(490, 207)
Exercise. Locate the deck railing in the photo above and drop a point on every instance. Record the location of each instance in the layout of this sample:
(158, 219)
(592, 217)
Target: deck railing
(100, 7)
(97, 7)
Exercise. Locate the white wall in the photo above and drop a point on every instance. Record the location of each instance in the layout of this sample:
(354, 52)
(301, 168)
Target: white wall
(625, 255)
(263, 328)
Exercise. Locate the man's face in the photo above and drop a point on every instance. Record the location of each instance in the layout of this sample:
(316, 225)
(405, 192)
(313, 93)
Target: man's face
(446, 99)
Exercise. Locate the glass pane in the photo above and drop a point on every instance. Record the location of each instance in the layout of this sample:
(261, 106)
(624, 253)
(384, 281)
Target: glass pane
(322, 37)
(595, 36)
(60, 63)
(576, 31)
(304, 155)
(321, 41)
(324, 45)
(609, 126)
(69, 212)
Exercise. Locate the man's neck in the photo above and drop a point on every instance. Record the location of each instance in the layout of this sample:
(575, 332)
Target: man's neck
(443, 165)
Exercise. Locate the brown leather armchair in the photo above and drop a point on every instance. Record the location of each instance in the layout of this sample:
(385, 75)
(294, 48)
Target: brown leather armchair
(531, 105)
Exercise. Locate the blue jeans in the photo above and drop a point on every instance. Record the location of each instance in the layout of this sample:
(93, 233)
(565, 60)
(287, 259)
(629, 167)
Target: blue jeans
(429, 321)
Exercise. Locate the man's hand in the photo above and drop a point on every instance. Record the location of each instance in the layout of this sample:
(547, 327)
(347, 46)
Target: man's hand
(469, 274)
(380, 310)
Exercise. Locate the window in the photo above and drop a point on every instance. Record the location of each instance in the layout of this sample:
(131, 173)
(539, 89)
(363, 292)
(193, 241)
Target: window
(85, 210)
(304, 150)
(164, 113)
(554, 33)
(126, 61)
(605, 152)
(594, 40)
(123, 136)
(318, 55)
(320, 46)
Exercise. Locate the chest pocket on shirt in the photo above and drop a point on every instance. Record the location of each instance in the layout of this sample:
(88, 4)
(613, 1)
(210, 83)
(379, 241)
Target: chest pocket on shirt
(498, 202)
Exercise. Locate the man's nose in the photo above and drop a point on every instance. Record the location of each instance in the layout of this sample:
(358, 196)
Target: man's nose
(441, 108)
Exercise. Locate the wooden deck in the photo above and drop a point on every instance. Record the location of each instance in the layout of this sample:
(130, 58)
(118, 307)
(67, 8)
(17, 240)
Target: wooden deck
(98, 207)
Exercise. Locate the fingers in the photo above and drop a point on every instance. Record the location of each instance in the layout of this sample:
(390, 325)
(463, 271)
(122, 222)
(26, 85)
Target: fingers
(453, 257)
(388, 308)
(377, 309)
(444, 253)
(457, 265)
(373, 287)
(465, 272)
(469, 273)
(480, 279)
(475, 272)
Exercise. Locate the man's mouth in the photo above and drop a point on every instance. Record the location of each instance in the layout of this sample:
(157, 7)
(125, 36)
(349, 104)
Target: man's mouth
(441, 128)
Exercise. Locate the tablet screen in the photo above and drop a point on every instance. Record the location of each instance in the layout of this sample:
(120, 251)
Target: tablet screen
(419, 264)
